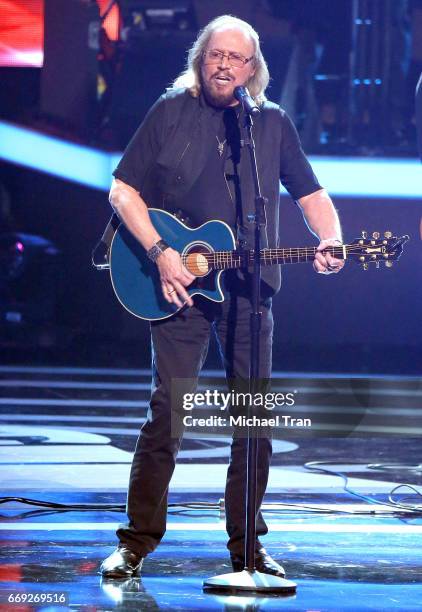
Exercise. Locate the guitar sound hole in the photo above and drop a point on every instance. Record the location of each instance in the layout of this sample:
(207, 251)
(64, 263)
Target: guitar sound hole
(196, 262)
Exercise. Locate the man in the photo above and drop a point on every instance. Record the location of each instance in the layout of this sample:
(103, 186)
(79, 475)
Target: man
(188, 155)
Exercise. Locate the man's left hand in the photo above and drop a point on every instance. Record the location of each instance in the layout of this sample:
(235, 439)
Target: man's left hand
(325, 263)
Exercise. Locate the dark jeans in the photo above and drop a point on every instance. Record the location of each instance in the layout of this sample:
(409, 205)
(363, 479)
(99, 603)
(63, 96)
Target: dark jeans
(180, 346)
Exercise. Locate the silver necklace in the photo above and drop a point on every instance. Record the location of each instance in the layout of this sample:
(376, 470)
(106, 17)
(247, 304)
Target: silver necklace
(220, 147)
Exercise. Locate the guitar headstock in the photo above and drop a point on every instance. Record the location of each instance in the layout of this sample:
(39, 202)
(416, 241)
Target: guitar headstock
(377, 249)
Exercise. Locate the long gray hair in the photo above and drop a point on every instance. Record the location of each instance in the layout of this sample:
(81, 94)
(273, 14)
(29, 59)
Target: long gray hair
(190, 78)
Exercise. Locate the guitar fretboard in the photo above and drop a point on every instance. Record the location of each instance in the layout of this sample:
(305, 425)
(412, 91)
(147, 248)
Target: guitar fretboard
(223, 260)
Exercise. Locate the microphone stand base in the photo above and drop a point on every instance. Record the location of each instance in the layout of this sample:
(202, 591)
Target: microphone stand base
(257, 582)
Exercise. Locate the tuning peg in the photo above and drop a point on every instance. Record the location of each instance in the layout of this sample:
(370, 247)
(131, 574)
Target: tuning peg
(365, 266)
(375, 235)
(364, 234)
(388, 264)
(388, 234)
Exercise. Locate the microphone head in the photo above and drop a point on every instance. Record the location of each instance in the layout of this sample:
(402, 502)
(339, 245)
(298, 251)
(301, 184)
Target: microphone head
(240, 92)
(244, 97)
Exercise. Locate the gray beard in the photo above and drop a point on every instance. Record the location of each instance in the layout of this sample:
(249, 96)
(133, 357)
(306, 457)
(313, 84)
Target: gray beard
(219, 101)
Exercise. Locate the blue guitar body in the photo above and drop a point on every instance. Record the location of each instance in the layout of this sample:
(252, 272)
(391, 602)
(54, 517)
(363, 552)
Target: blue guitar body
(135, 278)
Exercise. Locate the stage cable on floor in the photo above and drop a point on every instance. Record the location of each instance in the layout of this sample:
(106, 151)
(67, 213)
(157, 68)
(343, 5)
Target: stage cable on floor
(413, 509)
(111, 507)
(399, 507)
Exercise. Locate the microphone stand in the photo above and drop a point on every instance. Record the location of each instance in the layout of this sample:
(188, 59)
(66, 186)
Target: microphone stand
(250, 579)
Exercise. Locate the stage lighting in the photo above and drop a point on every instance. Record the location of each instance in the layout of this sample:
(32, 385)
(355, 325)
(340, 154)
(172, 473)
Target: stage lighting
(29, 283)
(158, 15)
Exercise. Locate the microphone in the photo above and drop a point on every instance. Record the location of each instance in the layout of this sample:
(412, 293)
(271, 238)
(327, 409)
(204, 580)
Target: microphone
(249, 105)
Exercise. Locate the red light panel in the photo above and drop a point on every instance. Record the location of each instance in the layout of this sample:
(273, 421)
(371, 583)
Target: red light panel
(22, 31)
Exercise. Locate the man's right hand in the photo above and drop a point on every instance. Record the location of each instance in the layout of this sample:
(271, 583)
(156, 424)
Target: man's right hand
(174, 278)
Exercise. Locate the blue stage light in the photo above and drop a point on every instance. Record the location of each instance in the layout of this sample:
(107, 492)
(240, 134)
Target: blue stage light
(58, 157)
(369, 177)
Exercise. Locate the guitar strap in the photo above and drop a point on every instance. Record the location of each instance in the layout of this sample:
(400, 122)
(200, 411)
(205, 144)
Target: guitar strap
(99, 256)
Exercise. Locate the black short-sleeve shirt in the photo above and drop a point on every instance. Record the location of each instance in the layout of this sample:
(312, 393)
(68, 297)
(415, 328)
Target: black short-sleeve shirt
(295, 173)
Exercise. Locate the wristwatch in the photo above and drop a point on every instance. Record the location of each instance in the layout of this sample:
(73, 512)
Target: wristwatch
(155, 251)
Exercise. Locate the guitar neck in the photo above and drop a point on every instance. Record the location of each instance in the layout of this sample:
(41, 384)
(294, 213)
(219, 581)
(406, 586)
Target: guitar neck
(223, 260)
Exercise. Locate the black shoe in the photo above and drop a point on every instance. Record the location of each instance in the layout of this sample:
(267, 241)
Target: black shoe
(263, 563)
(122, 563)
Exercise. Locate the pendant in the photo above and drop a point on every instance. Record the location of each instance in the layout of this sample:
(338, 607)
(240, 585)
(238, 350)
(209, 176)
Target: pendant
(220, 146)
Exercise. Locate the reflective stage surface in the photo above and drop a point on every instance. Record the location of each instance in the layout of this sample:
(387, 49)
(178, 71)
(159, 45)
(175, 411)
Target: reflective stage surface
(66, 436)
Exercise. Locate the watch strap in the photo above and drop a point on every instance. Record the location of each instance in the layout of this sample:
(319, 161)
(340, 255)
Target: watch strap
(155, 251)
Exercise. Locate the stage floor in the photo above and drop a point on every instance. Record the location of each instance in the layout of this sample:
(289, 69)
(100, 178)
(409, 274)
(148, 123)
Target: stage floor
(67, 435)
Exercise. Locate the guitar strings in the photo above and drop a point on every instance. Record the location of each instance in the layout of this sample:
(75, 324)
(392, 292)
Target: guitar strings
(232, 257)
(275, 252)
